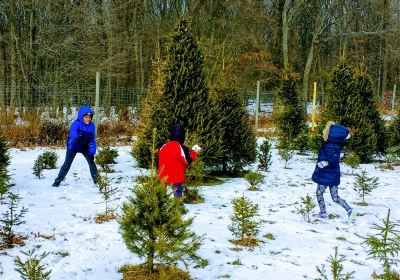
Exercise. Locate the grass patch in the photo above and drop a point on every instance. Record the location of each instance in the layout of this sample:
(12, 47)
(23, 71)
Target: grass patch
(246, 242)
(361, 203)
(103, 217)
(341, 238)
(139, 272)
(269, 236)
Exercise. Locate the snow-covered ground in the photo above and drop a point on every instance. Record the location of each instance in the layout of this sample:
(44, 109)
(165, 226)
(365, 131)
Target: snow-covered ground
(82, 249)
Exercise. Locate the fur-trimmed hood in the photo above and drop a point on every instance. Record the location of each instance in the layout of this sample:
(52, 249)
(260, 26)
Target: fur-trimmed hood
(334, 132)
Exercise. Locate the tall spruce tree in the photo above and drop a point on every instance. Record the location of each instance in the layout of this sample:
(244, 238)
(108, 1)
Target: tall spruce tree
(238, 138)
(4, 162)
(184, 99)
(290, 119)
(350, 102)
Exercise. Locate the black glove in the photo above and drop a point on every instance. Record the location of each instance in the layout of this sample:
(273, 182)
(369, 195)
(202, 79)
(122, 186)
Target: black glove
(78, 139)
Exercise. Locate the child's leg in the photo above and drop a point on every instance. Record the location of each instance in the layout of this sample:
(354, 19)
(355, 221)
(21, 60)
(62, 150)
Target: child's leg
(320, 197)
(337, 199)
(92, 166)
(69, 158)
(178, 190)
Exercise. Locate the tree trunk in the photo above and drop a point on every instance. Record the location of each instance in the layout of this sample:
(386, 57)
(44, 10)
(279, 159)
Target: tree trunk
(3, 63)
(13, 72)
(307, 70)
(285, 34)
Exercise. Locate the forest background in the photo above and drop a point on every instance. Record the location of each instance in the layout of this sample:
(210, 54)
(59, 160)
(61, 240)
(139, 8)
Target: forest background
(50, 51)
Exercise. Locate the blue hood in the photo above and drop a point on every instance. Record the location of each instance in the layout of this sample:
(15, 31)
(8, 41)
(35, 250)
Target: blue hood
(83, 111)
(338, 133)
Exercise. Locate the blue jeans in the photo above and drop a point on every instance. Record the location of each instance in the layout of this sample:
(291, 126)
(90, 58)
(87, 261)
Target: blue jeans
(178, 190)
(69, 158)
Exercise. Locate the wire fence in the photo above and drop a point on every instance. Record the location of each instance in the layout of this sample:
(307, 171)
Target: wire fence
(60, 101)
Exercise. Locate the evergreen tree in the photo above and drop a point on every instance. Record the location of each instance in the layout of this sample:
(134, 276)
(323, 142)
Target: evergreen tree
(254, 179)
(4, 163)
(350, 102)
(238, 138)
(306, 206)
(395, 129)
(182, 98)
(385, 246)
(243, 224)
(264, 155)
(364, 185)
(32, 268)
(290, 118)
(336, 265)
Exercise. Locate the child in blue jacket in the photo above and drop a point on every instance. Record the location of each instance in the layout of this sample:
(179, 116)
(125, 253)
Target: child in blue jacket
(81, 139)
(327, 170)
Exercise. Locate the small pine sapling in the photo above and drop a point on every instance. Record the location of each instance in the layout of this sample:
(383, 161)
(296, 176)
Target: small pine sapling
(264, 155)
(4, 163)
(391, 157)
(38, 167)
(352, 160)
(286, 155)
(11, 219)
(254, 179)
(336, 265)
(306, 207)
(384, 246)
(300, 143)
(153, 227)
(243, 225)
(364, 185)
(105, 158)
(107, 192)
(32, 268)
(49, 159)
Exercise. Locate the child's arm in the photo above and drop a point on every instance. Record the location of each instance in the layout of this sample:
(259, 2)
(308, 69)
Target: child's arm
(333, 156)
(92, 142)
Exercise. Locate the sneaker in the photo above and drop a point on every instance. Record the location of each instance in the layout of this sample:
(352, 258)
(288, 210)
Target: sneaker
(324, 216)
(349, 212)
(55, 184)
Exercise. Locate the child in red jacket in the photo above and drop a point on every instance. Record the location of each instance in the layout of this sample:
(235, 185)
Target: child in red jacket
(174, 157)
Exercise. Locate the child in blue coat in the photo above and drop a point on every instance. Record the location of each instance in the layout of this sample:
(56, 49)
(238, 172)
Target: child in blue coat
(327, 169)
(81, 139)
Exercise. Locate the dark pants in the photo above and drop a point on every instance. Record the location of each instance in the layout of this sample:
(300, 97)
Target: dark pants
(69, 158)
(335, 197)
(178, 190)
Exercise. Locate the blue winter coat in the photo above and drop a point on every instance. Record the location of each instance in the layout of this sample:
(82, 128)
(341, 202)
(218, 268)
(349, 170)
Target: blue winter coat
(82, 137)
(330, 152)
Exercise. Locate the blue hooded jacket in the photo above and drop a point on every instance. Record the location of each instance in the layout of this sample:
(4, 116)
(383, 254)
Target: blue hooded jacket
(82, 137)
(330, 152)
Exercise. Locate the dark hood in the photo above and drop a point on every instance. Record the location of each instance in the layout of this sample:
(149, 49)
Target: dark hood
(338, 133)
(177, 133)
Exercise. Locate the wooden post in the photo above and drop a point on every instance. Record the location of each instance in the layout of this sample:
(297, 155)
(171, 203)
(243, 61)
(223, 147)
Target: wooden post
(96, 106)
(257, 105)
(393, 101)
(313, 107)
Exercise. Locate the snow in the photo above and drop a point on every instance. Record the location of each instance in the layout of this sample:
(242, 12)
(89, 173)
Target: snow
(82, 249)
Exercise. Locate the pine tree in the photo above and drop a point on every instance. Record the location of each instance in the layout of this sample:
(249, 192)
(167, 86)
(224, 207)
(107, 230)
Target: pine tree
(32, 268)
(306, 206)
(243, 225)
(254, 179)
(264, 155)
(184, 99)
(4, 163)
(290, 117)
(350, 102)
(385, 246)
(395, 129)
(105, 158)
(336, 265)
(11, 219)
(238, 138)
(364, 185)
(152, 224)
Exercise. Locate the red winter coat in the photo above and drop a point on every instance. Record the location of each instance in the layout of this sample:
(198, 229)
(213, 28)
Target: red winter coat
(172, 162)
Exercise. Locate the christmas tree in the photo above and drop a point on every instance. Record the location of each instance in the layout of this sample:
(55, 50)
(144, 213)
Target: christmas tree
(183, 98)
(4, 162)
(290, 119)
(395, 129)
(238, 138)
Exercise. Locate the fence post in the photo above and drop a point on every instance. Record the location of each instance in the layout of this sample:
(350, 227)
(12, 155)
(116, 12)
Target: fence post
(96, 102)
(393, 100)
(257, 105)
(313, 107)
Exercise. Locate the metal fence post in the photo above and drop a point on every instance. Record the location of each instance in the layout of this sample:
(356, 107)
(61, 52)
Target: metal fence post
(96, 102)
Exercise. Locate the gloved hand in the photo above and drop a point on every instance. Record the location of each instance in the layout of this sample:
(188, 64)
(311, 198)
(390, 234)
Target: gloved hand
(322, 164)
(78, 139)
(196, 148)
